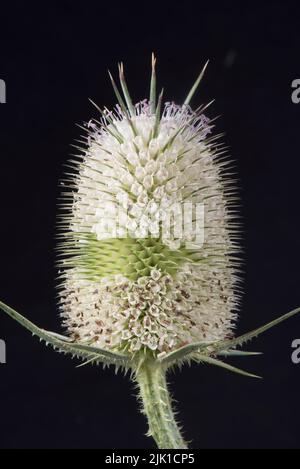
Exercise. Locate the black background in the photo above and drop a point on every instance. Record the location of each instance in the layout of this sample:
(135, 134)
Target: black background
(53, 58)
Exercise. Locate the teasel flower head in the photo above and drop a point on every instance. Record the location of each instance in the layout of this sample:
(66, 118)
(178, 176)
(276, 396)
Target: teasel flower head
(149, 254)
(130, 281)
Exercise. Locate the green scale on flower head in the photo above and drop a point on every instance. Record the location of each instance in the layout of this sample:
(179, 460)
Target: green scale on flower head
(135, 292)
(131, 258)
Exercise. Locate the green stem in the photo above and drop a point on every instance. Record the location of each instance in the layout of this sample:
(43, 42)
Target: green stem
(151, 378)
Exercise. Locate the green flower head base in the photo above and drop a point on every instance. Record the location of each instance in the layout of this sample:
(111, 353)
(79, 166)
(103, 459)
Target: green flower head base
(130, 294)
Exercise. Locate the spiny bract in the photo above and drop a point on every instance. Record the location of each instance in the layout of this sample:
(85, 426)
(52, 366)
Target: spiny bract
(126, 284)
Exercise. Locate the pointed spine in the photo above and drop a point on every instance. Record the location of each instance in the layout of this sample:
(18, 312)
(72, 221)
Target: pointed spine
(125, 90)
(195, 86)
(153, 86)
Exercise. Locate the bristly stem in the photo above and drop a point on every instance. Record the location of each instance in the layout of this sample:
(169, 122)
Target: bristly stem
(151, 379)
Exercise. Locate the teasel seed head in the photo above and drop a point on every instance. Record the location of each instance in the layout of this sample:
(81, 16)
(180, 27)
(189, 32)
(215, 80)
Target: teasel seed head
(126, 284)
